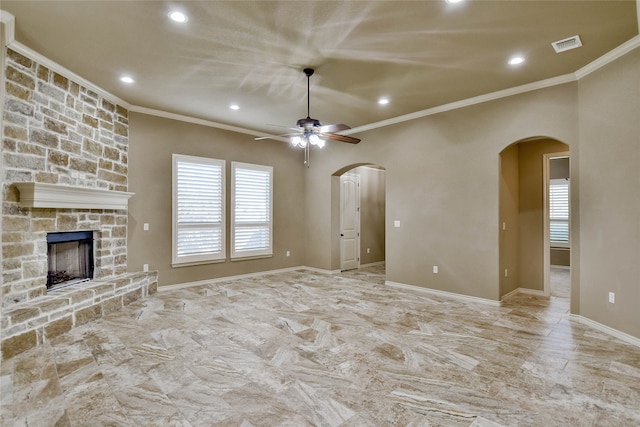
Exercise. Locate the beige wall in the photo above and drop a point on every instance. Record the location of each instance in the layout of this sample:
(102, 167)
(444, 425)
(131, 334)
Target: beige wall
(531, 223)
(152, 142)
(521, 212)
(372, 220)
(442, 183)
(509, 219)
(609, 185)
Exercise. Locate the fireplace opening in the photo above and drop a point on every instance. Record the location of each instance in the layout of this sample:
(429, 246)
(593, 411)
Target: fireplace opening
(70, 258)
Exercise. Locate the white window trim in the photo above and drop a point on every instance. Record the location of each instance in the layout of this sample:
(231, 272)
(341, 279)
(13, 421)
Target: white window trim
(196, 259)
(268, 252)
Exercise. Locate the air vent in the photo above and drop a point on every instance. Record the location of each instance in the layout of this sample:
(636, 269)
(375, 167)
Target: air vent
(567, 44)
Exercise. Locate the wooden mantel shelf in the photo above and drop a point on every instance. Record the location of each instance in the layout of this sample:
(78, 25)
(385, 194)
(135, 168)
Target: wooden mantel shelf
(41, 195)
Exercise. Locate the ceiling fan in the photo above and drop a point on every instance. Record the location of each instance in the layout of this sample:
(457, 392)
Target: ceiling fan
(310, 131)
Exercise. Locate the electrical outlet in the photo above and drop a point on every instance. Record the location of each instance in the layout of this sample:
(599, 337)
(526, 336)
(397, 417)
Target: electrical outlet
(145, 267)
(435, 269)
(288, 253)
(506, 273)
(145, 226)
(612, 297)
(368, 250)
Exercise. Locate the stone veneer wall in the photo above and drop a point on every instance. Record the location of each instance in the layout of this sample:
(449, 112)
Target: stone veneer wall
(57, 131)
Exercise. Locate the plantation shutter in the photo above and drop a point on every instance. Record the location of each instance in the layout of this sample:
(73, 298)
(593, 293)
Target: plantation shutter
(199, 209)
(252, 193)
(559, 211)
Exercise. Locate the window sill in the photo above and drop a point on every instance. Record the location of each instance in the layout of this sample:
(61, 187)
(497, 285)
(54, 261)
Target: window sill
(190, 264)
(247, 258)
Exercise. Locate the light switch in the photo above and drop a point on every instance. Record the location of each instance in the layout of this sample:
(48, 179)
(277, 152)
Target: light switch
(396, 224)
(146, 226)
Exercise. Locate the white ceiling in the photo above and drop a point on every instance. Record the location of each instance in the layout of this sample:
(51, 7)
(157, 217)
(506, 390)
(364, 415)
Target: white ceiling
(420, 54)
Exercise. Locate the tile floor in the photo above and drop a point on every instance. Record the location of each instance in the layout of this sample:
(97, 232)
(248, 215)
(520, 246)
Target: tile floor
(308, 349)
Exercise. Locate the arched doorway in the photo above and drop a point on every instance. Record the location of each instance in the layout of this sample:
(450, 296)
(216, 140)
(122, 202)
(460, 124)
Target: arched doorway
(358, 216)
(525, 245)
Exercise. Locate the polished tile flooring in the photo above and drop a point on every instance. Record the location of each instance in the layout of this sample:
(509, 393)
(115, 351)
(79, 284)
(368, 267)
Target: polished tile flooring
(309, 349)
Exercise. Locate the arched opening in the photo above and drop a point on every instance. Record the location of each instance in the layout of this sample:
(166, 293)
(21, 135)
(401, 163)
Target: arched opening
(534, 241)
(358, 205)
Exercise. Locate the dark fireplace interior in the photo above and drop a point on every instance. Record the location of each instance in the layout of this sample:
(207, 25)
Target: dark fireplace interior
(70, 257)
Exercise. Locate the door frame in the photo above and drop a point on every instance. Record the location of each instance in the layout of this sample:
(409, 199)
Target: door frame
(546, 176)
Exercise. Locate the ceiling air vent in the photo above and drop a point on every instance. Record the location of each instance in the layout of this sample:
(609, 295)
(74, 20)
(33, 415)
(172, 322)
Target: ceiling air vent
(567, 44)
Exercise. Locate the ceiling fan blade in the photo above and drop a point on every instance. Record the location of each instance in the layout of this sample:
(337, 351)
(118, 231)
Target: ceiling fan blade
(341, 138)
(333, 128)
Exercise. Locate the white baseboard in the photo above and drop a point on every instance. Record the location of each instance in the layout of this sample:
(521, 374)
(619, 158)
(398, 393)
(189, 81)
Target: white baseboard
(320, 270)
(629, 339)
(242, 276)
(372, 264)
(441, 293)
(516, 291)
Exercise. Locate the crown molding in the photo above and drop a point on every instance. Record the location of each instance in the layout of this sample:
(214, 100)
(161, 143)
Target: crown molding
(202, 122)
(9, 22)
(554, 81)
(609, 57)
(9, 25)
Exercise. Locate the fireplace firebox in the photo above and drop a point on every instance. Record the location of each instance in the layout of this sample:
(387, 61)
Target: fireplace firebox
(70, 258)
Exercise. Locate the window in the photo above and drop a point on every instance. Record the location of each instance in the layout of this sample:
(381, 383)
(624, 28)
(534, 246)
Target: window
(559, 211)
(251, 210)
(198, 210)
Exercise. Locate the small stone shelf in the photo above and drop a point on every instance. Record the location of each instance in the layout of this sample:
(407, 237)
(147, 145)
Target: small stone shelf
(41, 195)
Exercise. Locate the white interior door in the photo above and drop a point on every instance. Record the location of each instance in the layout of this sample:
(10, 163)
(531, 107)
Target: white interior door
(349, 222)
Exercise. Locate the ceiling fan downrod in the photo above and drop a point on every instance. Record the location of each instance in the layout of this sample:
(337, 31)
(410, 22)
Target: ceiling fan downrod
(308, 72)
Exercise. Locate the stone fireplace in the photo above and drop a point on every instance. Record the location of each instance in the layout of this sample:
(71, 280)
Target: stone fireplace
(64, 165)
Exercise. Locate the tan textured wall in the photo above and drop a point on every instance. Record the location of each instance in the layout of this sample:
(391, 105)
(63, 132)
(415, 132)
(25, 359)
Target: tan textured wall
(531, 223)
(372, 220)
(609, 185)
(509, 219)
(442, 183)
(152, 142)
(560, 257)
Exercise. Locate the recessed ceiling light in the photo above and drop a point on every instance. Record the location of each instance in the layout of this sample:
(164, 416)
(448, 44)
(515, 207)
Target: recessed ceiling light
(178, 16)
(127, 79)
(454, 1)
(234, 106)
(516, 60)
(383, 101)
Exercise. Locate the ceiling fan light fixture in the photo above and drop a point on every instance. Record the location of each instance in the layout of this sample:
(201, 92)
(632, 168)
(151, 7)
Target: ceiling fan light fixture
(314, 139)
(297, 141)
